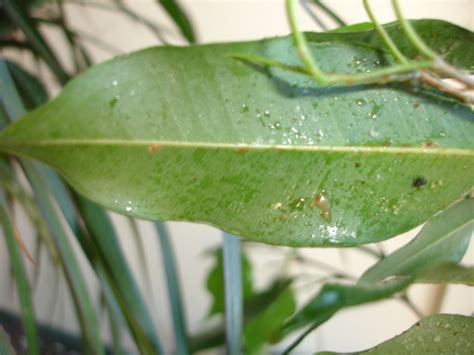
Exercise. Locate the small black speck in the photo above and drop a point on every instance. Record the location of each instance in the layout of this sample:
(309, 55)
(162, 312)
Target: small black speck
(420, 181)
(358, 165)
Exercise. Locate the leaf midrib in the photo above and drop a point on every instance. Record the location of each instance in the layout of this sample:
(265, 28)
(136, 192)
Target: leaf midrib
(174, 144)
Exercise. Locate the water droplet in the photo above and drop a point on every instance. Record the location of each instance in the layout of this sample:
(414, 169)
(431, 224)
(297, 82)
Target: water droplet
(245, 108)
(114, 83)
(361, 102)
(375, 112)
(266, 113)
(297, 204)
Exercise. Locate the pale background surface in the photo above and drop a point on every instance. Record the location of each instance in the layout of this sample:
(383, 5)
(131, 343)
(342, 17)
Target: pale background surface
(226, 20)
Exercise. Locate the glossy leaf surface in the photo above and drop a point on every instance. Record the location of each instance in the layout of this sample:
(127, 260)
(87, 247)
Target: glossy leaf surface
(192, 134)
(440, 333)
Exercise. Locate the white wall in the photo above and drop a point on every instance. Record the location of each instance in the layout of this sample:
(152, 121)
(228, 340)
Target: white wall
(226, 20)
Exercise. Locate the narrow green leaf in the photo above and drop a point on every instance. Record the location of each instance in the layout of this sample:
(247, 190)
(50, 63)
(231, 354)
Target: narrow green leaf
(103, 233)
(334, 297)
(215, 282)
(330, 12)
(5, 345)
(117, 293)
(272, 158)
(20, 17)
(21, 280)
(173, 288)
(180, 18)
(444, 238)
(153, 27)
(141, 256)
(261, 329)
(76, 282)
(439, 333)
(233, 294)
(446, 273)
(31, 89)
(80, 294)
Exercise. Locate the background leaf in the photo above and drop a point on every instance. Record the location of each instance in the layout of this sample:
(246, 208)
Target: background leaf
(173, 288)
(268, 157)
(21, 279)
(447, 273)
(5, 345)
(444, 238)
(439, 333)
(31, 89)
(261, 329)
(215, 282)
(180, 18)
(334, 297)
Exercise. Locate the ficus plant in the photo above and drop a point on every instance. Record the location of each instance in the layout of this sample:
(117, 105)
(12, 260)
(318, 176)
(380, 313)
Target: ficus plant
(338, 138)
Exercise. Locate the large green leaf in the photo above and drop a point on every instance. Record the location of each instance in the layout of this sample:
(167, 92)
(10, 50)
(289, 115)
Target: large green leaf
(445, 238)
(191, 134)
(440, 333)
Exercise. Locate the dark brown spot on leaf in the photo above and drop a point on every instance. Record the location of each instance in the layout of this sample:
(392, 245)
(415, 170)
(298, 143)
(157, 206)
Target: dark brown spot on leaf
(419, 182)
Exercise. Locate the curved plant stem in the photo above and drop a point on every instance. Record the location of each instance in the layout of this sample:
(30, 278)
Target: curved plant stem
(445, 87)
(302, 46)
(385, 36)
(439, 65)
(411, 34)
(378, 76)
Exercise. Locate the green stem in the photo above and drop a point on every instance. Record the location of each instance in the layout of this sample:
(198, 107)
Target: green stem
(385, 36)
(302, 46)
(411, 34)
(400, 72)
